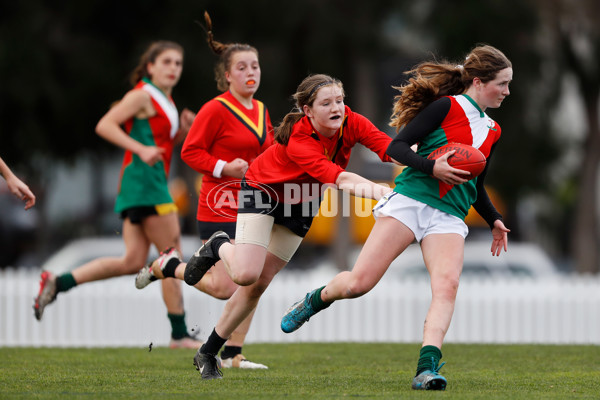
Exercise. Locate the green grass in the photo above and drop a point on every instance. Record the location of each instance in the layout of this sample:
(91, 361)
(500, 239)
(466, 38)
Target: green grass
(309, 371)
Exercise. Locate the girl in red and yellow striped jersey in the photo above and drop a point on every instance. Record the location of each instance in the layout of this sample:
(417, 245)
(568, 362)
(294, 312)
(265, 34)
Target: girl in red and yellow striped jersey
(228, 133)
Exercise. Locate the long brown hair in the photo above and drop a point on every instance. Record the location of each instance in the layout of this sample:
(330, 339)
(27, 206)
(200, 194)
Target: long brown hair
(431, 80)
(152, 52)
(305, 96)
(225, 51)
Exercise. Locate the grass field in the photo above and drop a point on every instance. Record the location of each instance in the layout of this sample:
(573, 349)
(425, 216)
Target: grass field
(306, 371)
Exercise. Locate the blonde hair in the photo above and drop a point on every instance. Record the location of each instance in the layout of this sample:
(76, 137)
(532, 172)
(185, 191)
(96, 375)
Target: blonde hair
(305, 96)
(150, 55)
(225, 51)
(431, 80)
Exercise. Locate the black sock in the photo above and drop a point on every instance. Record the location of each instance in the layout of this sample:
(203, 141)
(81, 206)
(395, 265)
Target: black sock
(169, 269)
(213, 344)
(231, 351)
(216, 244)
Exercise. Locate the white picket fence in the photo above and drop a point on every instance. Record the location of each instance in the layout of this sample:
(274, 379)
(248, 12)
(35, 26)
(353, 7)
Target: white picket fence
(114, 313)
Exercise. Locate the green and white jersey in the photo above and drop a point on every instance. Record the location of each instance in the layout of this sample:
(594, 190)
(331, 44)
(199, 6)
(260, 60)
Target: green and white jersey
(142, 184)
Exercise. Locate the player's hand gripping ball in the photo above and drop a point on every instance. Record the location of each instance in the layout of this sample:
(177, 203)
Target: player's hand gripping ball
(466, 157)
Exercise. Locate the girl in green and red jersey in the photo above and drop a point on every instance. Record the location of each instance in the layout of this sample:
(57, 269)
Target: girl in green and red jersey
(228, 133)
(147, 125)
(441, 103)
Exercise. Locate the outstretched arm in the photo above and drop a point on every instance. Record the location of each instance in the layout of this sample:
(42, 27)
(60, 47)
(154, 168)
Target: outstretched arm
(360, 187)
(16, 186)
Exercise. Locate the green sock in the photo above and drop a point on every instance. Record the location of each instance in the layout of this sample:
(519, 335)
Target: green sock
(65, 282)
(178, 326)
(425, 358)
(316, 302)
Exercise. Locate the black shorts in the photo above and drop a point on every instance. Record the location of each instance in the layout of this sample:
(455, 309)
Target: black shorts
(137, 214)
(296, 217)
(205, 229)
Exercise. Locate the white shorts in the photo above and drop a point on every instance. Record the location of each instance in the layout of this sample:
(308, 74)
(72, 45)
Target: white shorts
(419, 217)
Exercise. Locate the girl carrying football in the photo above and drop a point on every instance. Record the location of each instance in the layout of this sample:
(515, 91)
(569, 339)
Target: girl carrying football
(441, 103)
(147, 125)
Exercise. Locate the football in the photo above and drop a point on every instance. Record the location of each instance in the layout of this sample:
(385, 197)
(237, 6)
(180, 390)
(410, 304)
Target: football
(466, 157)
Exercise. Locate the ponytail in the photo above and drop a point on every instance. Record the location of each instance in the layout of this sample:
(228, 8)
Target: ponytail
(284, 129)
(431, 80)
(225, 51)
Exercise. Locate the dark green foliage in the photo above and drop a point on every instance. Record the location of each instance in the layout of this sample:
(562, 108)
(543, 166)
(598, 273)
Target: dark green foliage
(64, 63)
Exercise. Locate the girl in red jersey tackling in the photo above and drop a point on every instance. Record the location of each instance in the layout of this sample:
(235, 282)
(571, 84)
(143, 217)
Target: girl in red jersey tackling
(228, 133)
(279, 198)
(441, 103)
(147, 125)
